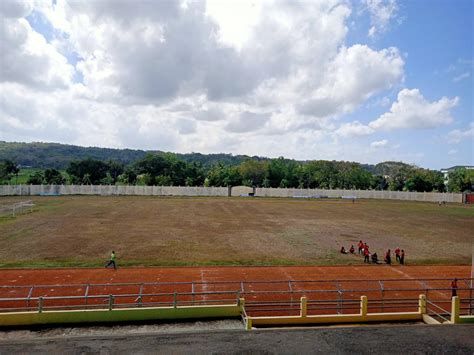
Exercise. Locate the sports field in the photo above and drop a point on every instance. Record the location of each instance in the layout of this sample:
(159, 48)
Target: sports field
(82, 230)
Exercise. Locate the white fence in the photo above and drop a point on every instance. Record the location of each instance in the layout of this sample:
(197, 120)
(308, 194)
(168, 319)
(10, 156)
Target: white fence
(105, 190)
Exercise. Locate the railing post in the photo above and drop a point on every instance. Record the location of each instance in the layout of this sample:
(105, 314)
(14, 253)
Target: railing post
(422, 304)
(111, 302)
(248, 324)
(86, 293)
(175, 300)
(363, 306)
(241, 303)
(40, 304)
(304, 307)
(455, 303)
(29, 296)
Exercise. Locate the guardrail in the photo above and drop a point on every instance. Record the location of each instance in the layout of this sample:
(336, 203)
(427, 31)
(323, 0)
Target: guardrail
(386, 294)
(330, 301)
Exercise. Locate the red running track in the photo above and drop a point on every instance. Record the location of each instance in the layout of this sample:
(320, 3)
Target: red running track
(408, 285)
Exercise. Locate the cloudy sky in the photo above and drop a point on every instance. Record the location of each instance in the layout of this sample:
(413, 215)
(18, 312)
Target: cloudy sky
(364, 81)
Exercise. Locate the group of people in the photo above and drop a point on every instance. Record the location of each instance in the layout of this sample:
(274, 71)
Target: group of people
(363, 249)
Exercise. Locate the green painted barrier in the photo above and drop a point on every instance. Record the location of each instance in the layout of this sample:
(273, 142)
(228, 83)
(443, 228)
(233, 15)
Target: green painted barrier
(118, 315)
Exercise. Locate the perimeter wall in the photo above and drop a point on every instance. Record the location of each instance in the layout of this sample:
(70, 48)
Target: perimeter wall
(105, 190)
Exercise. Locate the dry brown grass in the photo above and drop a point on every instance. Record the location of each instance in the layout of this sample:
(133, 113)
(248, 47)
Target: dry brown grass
(82, 230)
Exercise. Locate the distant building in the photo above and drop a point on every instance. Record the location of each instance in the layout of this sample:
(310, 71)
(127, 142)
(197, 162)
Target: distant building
(446, 172)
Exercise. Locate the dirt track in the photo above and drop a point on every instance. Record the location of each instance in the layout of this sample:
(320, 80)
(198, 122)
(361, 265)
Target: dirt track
(228, 283)
(229, 273)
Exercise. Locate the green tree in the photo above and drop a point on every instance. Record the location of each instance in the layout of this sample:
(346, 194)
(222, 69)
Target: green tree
(253, 172)
(53, 177)
(461, 180)
(88, 171)
(223, 175)
(8, 169)
(36, 179)
(422, 180)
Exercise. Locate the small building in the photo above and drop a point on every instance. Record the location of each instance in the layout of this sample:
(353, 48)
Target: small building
(446, 171)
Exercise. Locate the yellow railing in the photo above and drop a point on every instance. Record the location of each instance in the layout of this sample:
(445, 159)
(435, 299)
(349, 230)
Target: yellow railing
(234, 310)
(362, 317)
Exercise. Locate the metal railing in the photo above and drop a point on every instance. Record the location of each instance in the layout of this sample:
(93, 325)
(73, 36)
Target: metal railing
(336, 296)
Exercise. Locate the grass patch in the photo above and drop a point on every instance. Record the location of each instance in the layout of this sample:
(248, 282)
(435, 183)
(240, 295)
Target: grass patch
(80, 231)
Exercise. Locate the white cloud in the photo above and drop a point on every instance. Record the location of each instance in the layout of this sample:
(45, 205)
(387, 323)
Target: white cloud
(457, 135)
(381, 13)
(412, 110)
(379, 144)
(354, 129)
(11, 9)
(247, 122)
(194, 76)
(26, 57)
(461, 77)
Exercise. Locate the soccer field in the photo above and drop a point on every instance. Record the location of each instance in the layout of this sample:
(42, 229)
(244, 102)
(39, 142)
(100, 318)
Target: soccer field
(82, 230)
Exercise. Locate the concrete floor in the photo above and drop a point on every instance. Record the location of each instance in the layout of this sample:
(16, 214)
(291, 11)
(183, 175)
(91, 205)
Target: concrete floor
(380, 339)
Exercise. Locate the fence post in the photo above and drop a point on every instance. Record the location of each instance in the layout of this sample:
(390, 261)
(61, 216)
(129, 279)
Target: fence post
(363, 306)
(241, 303)
(111, 302)
(40, 305)
(422, 304)
(174, 300)
(304, 308)
(455, 309)
(248, 325)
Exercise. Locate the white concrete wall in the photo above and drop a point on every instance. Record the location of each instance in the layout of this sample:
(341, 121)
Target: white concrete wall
(106, 190)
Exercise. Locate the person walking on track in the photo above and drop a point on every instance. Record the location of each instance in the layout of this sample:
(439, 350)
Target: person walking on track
(112, 261)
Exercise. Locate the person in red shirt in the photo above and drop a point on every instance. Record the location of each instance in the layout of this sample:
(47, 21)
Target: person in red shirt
(397, 254)
(361, 247)
(343, 250)
(402, 257)
(366, 255)
(388, 258)
(352, 249)
(454, 287)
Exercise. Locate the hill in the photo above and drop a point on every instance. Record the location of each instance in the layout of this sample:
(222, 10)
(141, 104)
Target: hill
(58, 156)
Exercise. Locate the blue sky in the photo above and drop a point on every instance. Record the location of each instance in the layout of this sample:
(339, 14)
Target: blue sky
(365, 81)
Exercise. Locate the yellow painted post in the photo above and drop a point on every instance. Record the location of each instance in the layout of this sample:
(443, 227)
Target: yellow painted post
(422, 304)
(241, 303)
(248, 325)
(363, 306)
(455, 305)
(304, 307)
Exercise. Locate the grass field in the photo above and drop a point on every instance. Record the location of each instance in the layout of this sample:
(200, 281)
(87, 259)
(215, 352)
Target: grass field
(82, 230)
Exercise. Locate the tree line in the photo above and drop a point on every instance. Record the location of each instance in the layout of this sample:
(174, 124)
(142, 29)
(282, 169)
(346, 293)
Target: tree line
(167, 169)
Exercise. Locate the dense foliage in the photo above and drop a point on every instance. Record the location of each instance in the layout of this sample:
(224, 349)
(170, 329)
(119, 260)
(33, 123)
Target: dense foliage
(157, 168)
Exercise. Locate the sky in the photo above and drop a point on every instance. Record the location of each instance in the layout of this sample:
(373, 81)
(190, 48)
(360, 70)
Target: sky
(365, 81)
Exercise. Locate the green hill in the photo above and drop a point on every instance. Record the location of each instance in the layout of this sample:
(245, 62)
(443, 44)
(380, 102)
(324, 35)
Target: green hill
(58, 156)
